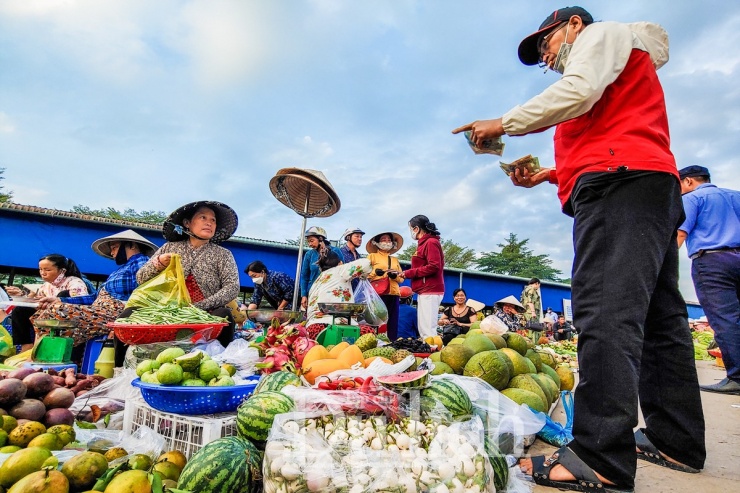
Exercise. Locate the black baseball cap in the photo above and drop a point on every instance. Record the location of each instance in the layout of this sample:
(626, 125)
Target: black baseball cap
(528, 52)
(693, 171)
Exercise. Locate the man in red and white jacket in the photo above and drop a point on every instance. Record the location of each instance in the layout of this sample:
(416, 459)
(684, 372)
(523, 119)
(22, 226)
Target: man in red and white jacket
(616, 176)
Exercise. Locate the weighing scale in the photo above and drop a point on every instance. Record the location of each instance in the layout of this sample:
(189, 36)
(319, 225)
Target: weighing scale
(53, 350)
(335, 333)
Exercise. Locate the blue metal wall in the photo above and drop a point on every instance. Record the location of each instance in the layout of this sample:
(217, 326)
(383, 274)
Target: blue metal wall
(27, 236)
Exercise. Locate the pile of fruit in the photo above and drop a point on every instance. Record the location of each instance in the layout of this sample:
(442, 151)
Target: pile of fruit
(195, 369)
(31, 395)
(508, 363)
(411, 344)
(284, 347)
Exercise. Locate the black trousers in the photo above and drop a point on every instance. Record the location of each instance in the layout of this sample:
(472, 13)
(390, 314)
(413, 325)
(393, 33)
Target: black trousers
(391, 303)
(634, 335)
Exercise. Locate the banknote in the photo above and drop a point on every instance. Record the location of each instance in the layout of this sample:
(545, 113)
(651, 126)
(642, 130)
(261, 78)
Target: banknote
(488, 146)
(531, 163)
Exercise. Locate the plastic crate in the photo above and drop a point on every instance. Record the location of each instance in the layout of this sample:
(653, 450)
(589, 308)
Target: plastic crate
(188, 434)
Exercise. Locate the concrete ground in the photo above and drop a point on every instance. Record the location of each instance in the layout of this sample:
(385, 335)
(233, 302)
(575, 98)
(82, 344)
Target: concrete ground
(722, 470)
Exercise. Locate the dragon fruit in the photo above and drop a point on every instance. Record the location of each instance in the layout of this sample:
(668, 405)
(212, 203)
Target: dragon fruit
(301, 347)
(277, 359)
(284, 347)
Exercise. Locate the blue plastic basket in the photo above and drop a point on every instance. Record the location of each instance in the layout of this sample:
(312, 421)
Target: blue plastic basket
(195, 400)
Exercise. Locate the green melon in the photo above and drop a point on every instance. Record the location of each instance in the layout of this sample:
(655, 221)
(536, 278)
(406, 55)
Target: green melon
(552, 374)
(546, 389)
(254, 416)
(526, 382)
(276, 381)
(521, 396)
(489, 366)
(441, 368)
(497, 340)
(520, 364)
(456, 356)
(479, 343)
(554, 388)
(547, 359)
(456, 341)
(535, 358)
(498, 463)
(385, 352)
(435, 357)
(517, 343)
(230, 464)
(450, 395)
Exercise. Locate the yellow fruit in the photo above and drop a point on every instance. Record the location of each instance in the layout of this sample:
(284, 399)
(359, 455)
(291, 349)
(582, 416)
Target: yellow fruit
(351, 356)
(42, 482)
(337, 350)
(322, 367)
(567, 379)
(84, 469)
(174, 456)
(134, 481)
(373, 358)
(115, 453)
(47, 440)
(168, 470)
(315, 353)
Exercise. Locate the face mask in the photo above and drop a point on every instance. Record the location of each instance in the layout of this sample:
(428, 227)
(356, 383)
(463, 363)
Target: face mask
(413, 235)
(257, 280)
(563, 52)
(385, 246)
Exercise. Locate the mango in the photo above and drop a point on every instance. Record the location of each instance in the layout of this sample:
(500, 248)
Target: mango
(134, 481)
(22, 463)
(49, 481)
(84, 469)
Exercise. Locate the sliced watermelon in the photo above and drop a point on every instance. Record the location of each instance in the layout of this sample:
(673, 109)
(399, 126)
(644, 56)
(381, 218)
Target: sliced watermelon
(408, 379)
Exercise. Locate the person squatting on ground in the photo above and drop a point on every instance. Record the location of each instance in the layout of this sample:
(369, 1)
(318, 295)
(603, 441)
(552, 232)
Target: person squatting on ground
(712, 234)
(617, 178)
(276, 288)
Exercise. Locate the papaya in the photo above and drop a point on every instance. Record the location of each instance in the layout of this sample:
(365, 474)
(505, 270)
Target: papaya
(322, 367)
(313, 354)
(351, 355)
(337, 350)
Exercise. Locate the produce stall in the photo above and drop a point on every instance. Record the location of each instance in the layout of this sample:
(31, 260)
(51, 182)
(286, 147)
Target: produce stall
(288, 414)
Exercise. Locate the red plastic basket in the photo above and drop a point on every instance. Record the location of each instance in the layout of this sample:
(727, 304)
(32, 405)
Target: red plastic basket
(147, 334)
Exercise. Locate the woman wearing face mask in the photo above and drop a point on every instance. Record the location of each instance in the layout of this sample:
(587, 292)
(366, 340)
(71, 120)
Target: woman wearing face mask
(90, 313)
(386, 270)
(426, 273)
(274, 287)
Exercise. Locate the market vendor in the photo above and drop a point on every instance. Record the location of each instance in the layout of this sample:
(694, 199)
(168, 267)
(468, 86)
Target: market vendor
(510, 312)
(386, 274)
(91, 313)
(274, 287)
(334, 285)
(194, 231)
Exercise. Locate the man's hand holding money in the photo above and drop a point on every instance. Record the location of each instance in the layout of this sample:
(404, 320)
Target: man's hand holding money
(482, 130)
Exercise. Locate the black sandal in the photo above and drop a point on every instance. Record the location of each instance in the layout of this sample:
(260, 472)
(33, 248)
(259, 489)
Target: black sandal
(586, 479)
(650, 453)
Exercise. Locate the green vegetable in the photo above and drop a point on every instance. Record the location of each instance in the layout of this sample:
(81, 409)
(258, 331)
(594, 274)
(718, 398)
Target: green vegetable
(170, 315)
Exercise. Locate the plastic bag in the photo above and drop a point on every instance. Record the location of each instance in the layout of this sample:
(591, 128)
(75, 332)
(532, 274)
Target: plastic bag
(323, 452)
(138, 353)
(7, 348)
(240, 354)
(555, 433)
(167, 287)
(375, 312)
(493, 325)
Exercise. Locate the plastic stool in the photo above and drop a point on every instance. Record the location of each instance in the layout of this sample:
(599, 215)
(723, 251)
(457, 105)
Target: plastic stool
(48, 366)
(92, 351)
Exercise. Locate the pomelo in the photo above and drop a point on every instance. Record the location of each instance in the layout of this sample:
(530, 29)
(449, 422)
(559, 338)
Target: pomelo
(521, 396)
(456, 356)
(497, 340)
(535, 358)
(520, 364)
(526, 382)
(479, 343)
(567, 379)
(490, 366)
(517, 343)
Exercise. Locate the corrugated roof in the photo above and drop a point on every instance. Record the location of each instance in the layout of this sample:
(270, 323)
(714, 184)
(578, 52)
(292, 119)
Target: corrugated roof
(42, 211)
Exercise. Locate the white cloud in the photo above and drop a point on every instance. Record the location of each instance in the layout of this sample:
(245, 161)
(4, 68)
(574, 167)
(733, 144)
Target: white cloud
(6, 124)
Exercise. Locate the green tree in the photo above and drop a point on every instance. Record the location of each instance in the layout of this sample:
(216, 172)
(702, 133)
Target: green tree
(515, 259)
(4, 197)
(149, 217)
(456, 256)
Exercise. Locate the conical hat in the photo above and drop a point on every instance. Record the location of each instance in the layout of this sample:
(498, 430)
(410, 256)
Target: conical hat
(510, 300)
(226, 221)
(305, 191)
(397, 239)
(102, 246)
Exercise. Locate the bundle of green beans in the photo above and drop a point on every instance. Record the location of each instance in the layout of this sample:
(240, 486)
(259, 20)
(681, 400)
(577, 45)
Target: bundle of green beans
(170, 315)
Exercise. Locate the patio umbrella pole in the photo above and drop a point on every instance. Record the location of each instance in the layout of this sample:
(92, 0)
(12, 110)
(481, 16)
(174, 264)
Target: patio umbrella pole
(297, 286)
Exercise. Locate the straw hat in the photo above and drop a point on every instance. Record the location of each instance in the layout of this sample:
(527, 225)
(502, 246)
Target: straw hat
(305, 191)
(102, 246)
(397, 243)
(226, 221)
(510, 300)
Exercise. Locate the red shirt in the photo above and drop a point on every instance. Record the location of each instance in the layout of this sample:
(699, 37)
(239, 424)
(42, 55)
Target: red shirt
(627, 127)
(427, 267)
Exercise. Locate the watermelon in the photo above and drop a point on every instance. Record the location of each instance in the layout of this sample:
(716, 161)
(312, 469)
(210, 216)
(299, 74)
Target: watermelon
(277, 380)
(409, 379)
(450, 395)
(498, 463)
(230, 464)
(255, 415)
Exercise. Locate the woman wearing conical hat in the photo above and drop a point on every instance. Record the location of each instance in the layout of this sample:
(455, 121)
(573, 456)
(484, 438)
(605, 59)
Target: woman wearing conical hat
(91, 313)
(510, 312)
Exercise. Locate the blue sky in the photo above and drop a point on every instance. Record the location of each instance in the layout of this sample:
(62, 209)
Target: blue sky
(149, 105)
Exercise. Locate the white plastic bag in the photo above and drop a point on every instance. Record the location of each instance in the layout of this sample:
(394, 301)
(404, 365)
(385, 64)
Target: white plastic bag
(493, 325)
(375, 312)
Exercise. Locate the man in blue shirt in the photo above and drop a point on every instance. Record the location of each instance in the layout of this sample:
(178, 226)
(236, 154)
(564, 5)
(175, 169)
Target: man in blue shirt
(712, 234)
